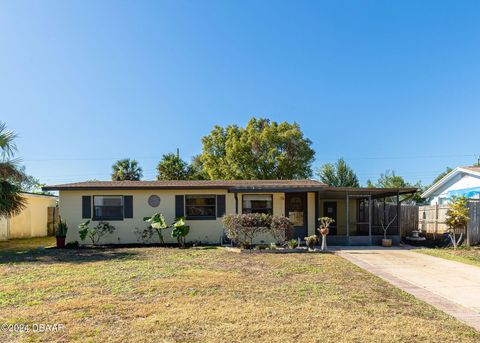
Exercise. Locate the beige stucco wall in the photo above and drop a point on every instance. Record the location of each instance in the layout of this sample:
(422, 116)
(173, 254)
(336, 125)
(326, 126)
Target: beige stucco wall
(207, 231)
(32, 221)
(3, 229)
(200, 230)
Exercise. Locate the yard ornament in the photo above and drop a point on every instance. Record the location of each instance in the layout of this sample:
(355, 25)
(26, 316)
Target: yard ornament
(324, 230)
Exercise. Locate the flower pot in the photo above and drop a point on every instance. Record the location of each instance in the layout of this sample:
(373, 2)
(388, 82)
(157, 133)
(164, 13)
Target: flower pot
(386, 242)
(60, 241)
(324, 231)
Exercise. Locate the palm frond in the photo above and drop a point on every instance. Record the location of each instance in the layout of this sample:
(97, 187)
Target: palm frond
(10, 170)
(11, 200)
(7, 143)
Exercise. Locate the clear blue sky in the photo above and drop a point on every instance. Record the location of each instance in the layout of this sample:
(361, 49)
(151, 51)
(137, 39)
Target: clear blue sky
(385, 84)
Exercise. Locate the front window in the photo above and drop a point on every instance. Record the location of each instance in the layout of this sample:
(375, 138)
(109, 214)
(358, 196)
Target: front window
(200, 206)
(256, 203)
(108, 207)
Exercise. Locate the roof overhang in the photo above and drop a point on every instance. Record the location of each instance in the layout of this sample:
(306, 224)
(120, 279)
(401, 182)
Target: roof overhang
(227, 185)
(367, 192)
(273, 189)
(146, 187)
(254, 187)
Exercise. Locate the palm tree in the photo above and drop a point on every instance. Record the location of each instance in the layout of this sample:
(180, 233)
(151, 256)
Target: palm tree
(11, 200)
(126, 169)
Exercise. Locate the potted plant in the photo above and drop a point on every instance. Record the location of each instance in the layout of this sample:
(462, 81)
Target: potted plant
(311, 242)
(61, 233)
(325, 230)
(386, 242)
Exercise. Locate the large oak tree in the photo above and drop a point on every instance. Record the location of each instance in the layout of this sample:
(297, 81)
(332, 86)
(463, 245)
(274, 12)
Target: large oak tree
(263, 149)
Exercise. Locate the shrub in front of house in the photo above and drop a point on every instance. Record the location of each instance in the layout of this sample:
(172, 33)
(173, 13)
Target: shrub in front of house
(242, 229)
(95, 233)
(180, 231)
(293, 244)
(281, 228)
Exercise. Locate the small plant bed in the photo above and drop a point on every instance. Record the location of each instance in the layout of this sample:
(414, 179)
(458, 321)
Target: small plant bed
(135, 245)
(300, 250)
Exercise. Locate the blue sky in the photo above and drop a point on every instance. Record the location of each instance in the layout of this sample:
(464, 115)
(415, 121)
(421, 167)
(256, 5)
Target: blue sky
(386, 85)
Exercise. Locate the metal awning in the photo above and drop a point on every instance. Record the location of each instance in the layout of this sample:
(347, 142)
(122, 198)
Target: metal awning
(374, 193)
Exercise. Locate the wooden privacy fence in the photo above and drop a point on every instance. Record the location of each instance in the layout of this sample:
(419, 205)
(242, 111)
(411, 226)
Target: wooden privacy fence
(432, 221)
(408, 219)
(385, 212)
(53, 217)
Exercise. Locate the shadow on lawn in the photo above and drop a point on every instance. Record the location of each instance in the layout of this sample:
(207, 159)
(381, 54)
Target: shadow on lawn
(64, 255)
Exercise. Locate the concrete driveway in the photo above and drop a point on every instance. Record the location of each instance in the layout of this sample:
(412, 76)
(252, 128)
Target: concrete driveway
(452, 287)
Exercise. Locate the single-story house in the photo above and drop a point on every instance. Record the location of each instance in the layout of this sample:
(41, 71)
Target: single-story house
(461, 181)
(32, 221)
(203, 203)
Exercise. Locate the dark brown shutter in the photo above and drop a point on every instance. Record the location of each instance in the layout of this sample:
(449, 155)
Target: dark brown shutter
(86, 207)
(220, 205)
(179, 206)
(128, 206)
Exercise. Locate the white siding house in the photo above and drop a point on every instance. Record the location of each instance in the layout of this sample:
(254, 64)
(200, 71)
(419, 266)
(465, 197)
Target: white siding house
(462, 181)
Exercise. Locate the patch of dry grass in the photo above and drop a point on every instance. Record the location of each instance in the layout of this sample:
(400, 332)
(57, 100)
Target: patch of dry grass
(155, 294)
(26, 244)
(462, 254)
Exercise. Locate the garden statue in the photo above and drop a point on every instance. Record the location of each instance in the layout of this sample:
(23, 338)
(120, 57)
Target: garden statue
(324, 230)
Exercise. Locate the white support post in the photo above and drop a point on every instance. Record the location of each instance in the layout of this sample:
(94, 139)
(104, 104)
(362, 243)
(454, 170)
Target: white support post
(370, 219)
(348, 216)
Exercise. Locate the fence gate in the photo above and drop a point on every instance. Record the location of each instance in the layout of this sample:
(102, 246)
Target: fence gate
(473, 226)
(53, 217)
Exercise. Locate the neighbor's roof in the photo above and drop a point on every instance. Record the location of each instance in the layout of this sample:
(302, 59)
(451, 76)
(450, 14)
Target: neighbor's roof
(38, 195)
(467, 170)
(233, 185)
(474, 169)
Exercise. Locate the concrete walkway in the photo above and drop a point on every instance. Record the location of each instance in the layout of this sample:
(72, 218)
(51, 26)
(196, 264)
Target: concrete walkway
(450, 286)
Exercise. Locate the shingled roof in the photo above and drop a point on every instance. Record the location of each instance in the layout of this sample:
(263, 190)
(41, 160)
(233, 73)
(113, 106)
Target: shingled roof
(196, 184)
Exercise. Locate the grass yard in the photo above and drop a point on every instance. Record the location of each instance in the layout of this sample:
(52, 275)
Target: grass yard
(156, 294)
(462, 254)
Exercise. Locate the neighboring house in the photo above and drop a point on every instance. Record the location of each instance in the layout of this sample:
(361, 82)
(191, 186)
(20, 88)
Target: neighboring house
(462, 181)
(203, 203)
(32, 221)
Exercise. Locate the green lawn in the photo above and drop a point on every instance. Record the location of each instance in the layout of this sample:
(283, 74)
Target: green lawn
(156, 294)
(462, 254)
